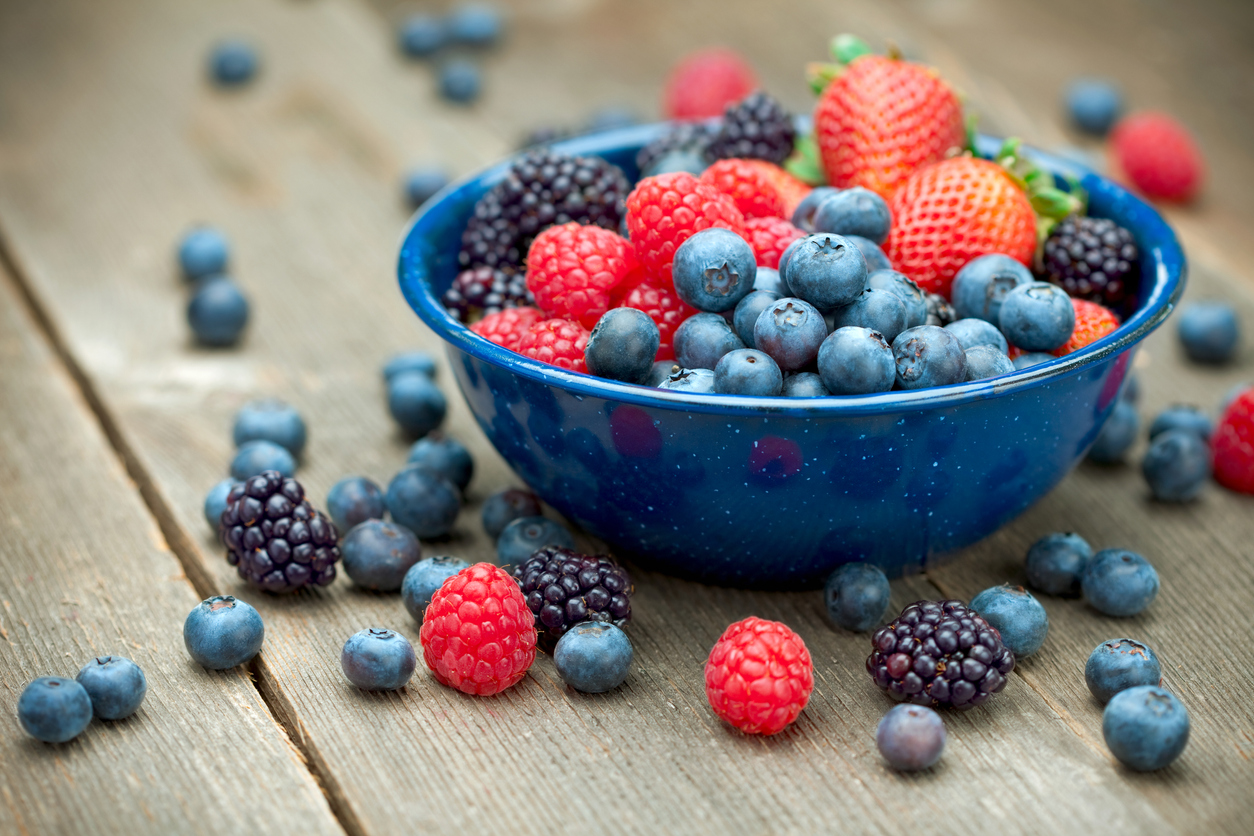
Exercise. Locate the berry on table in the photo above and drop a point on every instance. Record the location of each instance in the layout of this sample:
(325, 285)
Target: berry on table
(747, 371)
(1037, 317)
(255, 457)
(705, 82)
(422, 35)
(759, 676)
(416, 403)
(524, 536)
(791, 331)
(1117, 434)
(1092, 322)
(378, 554)
(880, 310)
(563, 588)
(702, 340)
(215, 501)
(446, 456)
(424, 578)
(714, 269)
(1158, 155)
(1182, 417)
(378, 659)
(856, 595)
(1119, 582)
(274, 537)
(573, 268)
(984, 361)
(1146, 727)
(421, 184)
(423, 501)
(477, 634)
(503, 507)
(353, 500)
(854, 211)
(232, 62)
(409, 361)
(1016, 615)
(270, 419)
(460, 80)
(1119, 664)
(1233, 444)
(1093, 104)
(1177, 465)
(1055, 563)
(665, 210)
(1209, 332)
(856, 361)
(217, 312)
(827, 270)
(928, 356)
(911, 737)
(593, 657)
(756, 127)
(54, 709)
(203, 252)
(981, 286)
(115, 684)
(222, 632)
(693, 381)
(508, 327)
(622, 345)
(475, 24)
(1093, 259)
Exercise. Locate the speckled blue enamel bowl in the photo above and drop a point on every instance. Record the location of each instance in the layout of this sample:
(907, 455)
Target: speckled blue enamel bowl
(777, 492)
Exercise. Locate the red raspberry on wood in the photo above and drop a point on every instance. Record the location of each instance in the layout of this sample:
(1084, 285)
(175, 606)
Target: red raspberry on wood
(1233, 445)
(759, 676)
(1158, 155)
(705, 82)
(572, 268)
(664, 211)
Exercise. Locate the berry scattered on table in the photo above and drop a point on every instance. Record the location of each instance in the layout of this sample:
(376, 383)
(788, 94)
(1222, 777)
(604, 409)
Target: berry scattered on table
(524, 536)
(593, 657)
(422, 35)
(1117, 434)
(1037, 317)
(423, 501)
(274, 537)
(54, 709)
(232, 63)
(759, 676)
(222, 632)
(378, 659)
(622, 345)
(1014, 613)
(409, 361)
(747, 371)
(558, 342)
(563, 588)
(421, 184)
(1119, 664)
(666, 210)
(353, 500)
(705, 82)
(1119, 582)
(203, 252)
(270, 419)
(1093, 259)
(1233, 444)
(1093, 104)
(1146, 727)
(856, 595)
(573, 268)
(460, 80)
(217, 312)
(1177, 465)
(215, 501)
(507, 328)
(1209, 332)
(377, 554)
(702, 339)
(911, 737)
(1182, 417)
(424, 578)
(446, 456)
(856, 361)
(714, 269)
(115, 684)
(254, 457)
(1055, 563)
(756, 127)
(416, 403)
(503, 507)
(1159, 156)
(769, 238)
(475, 24)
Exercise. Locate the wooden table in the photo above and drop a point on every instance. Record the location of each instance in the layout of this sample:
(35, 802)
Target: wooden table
(113, 426)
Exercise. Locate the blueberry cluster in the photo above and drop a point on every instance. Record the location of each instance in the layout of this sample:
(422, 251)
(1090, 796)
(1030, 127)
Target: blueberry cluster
(56, 709)
(471, 25)
(1115, 582)
(218, 311)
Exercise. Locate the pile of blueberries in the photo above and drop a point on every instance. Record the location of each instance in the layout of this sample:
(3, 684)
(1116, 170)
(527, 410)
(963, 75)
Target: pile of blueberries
(218, 310)
(471, 26)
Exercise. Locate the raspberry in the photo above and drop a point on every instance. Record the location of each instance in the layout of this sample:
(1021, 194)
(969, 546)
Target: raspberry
(756, 127)
(1092, 322)
(507, 327)
(477, 634)
(770, 237)
(1158, 156)
(759, 676)
(558, 342)
(664, 307)
(1233, 445)
(572, 268)
(746, 184)
(563, 588)
(664, 211)
(705, 82)
(791, 190)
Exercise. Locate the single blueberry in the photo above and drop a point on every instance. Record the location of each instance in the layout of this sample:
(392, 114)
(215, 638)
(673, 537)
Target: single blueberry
(1146, 727)
(526, 534)
(803, 215)
(115, 684)
(1017, 615)
(424, 578)
(791, 331)
(714, 269)
(1119, 582)
(1177, 465)
(660, 370)
(253, 457)
(748, 311)
(911, 737)
(422, 35)
(423, 501)
(768, 279)
(503, 507)
(856, 595)
(1120, 664)
(460, 81)
(446, 456)
(215, 502)
(972, 332)
(1117, 435)
(905, 289)
(232, 62)
(702, 339)
(879, 310)
(928, 356)
(1032, 358)
(377, 554)
(856, 361)
(1093, 104)
(222, 632)
(1182, 417)
(747, 371)
(1037, 317)
(409, 361)
(593, 657)
(54, 709)
(1209, 332)
(1055, 563)
(980, 286)
(804, 385)
(203, 252)
(353, 500)
(270, 419)
(784, 258)
(854, 211)
(217, 312)
(421, 184)
(984, 361)
(827, 270)
(692, 381)
(477, 24)
(378, 659)
(622, 345)
(875, 258)
(416, 403)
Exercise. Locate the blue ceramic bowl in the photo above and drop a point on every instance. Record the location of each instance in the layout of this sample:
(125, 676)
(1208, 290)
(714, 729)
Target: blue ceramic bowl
(777, 492)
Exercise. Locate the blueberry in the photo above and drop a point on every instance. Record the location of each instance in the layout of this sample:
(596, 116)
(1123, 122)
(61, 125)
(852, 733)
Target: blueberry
(875, 258)
(422, 35)
(768, 279)
(1120, 664)
(714, 269)
(1032, 358)
(1182, 417)
(1017, 615)
(622, 345)
(54, 709)
(980, 286)
(270, 419)
(856, 595)
(803, 215)
(1146, 727)
(217, 312)
(854, 211)
(879, 310)
(460, 81)
(409, 361)
(784, 258)
(232, 62)
(593, 657)
(702, 339)
(911, 737)
(660, 370)
(421, 184)
(526, 534)
(253, 457)
(1037, 317)
(378, 659)
(215, 502)
(748, 311)
(1119, 582)
(791, 331)
(203, 252)
(856, 361)
(377, 554)
(692, 381)
(984, 361)
(446, 456)
(1176, 465)
(416, 402)
(115, 684)
(1118, 433)
(928, 356)
(1209, 332)
(747, 371)
(424, 578)
(222, 632)
(827, 270)
(972, 332)
(423, 501)
(477, 24)
(804, 385)
(353, 500)
(1093, 105)
(906, 290)
(1055, 563)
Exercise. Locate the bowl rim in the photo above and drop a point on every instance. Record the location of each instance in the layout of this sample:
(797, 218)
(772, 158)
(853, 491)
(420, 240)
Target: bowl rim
(1166, 257)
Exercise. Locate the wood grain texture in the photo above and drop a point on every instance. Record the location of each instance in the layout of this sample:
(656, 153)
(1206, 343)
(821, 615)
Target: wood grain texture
(84, 572)
(300, 170)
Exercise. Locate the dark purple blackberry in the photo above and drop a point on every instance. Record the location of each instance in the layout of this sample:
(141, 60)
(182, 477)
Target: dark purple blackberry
(275, 538)
(939, 654)
(483, 291)
(1093, 259)
(564, 588)
(756, 127)
(691, 137)
(542, 188)
(939, 311)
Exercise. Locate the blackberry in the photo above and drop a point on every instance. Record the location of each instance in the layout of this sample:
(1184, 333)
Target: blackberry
(564, 588)
(484, 290)
(275, 538)
(939, 311)
(692, 137)
(1093, 259)
(756, 127)
(542, 188)
(939, 654)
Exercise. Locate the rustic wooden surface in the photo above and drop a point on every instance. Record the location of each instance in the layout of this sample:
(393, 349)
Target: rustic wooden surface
(111, 145)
